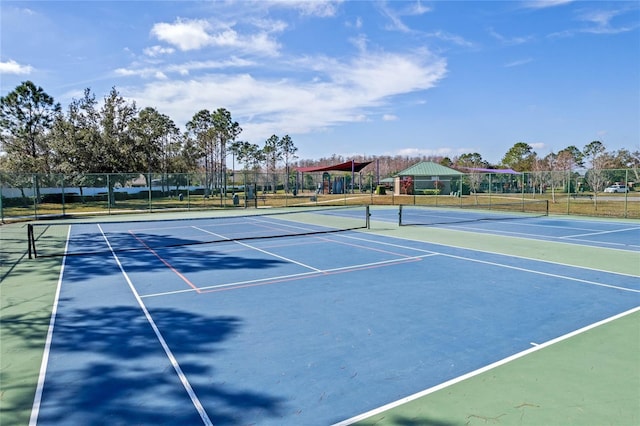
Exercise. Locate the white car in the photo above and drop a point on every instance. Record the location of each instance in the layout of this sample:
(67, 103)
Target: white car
(617, 188)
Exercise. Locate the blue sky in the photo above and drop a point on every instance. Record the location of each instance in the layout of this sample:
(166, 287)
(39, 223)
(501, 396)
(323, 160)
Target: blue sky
(350, 77)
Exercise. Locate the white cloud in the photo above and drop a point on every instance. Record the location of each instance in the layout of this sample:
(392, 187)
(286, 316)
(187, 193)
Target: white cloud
(396, 15)
(543, 4)
(378, 75)
(360, 42)
(182, 69)
(389, 117)
(345, 92)
(197, 34)
(357, 23)
(511, 41)
(125, 72)
(452, 38)
(518, 62)
(186, 67)
(428, 152)
(600, 21)
(12, 67)
(270, 25)
(185, 34)
(154, 51)
(417, 8)
(322, 9)
(540, 146)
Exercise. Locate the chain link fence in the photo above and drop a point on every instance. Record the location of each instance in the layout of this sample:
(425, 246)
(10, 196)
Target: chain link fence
(25, 196)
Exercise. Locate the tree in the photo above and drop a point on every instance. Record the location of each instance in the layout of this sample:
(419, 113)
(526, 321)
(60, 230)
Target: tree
(288, 150)
(183, 155)
(519, 157)
(570, 158)
(226, 131)
(566, 161)
(594, 153)
(235, 148)
(471, 161)
(148, 128)
(446, 161)
(26, 118)
(201, 128)
(76, 140)
(212, 132)
(272, 154)
(551, 173)
(250, 155)
(156, 135)
(119, 152)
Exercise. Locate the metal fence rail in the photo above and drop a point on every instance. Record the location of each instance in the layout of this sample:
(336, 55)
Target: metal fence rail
(27, 196)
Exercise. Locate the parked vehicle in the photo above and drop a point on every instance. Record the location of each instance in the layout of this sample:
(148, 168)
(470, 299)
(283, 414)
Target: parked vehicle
(617, 188)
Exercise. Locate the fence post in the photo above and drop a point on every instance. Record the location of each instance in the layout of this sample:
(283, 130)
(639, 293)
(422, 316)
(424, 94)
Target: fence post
(109, 193)
(569, 191)
(34, 182)
(1, 209)
(626, 194)
(63, 207)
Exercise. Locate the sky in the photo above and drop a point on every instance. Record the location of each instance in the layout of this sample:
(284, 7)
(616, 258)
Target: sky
(409, 78)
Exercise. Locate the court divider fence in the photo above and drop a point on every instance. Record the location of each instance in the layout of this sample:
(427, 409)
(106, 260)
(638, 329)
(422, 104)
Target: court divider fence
(28, 196)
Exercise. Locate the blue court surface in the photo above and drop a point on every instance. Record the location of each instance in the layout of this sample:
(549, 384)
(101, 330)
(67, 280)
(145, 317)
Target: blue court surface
(297, 330)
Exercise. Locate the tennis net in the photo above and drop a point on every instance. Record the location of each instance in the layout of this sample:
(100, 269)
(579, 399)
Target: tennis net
(452, 214)
(71, 238)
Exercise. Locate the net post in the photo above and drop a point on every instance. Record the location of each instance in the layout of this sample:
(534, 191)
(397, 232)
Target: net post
(400, 215)
(30, 241)
(368, 217)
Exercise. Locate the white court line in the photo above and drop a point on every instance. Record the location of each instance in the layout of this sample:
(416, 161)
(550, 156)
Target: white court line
(487, 252)
(601, 232)
(174, 362)
(260, 250)
(299, 275)
(479, 371)
(547, 274)
(551, 238)
(37, 400)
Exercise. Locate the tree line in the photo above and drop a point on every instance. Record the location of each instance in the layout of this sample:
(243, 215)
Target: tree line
(37, 136)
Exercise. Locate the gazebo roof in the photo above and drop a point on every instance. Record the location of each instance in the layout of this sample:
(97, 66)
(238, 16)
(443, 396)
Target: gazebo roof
(496, 171)
(347, 166)
(428, 168)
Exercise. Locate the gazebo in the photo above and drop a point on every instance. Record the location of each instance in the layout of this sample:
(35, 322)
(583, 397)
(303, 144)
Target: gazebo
(425, 176)
(338, 186)
(504, 181)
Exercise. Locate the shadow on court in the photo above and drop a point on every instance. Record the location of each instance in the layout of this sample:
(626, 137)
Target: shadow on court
(185, 259)
(106, 367)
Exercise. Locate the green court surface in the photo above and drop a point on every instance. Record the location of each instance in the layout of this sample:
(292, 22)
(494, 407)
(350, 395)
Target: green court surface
(27, 290)
(590, 378)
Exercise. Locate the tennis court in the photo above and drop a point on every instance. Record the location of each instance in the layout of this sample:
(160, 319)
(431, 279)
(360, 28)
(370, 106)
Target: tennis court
(342, 317)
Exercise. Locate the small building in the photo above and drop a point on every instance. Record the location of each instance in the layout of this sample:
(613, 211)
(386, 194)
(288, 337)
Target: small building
(427, 177)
